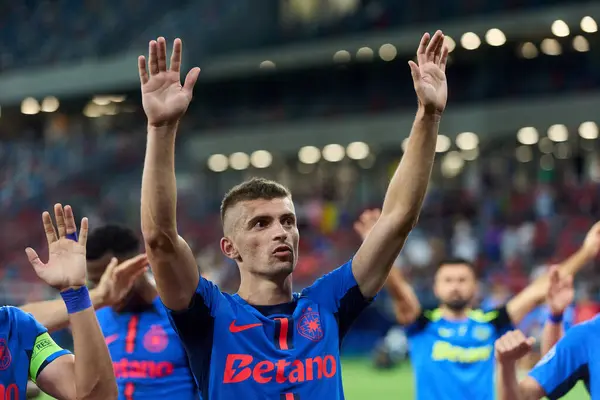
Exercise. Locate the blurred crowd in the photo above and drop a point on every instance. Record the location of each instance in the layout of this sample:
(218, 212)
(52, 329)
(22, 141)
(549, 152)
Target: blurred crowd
(68, 30)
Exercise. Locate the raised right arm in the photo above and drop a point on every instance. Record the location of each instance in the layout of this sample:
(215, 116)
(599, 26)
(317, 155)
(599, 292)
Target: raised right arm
(165, 101)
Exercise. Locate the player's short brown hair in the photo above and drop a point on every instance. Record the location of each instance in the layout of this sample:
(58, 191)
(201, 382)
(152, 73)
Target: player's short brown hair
(253, 189)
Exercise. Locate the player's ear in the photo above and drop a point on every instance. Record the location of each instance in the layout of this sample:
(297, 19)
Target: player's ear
(228, 249)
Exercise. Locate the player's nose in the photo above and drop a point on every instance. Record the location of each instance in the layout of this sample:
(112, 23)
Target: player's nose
(279, 232)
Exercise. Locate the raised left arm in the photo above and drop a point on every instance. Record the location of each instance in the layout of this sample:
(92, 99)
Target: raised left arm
(533, 295)
(405, 194)
(90, 374)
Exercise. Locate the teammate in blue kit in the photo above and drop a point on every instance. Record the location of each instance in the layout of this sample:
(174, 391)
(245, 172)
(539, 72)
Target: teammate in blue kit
(266, 342)
(451, 346)
(573, 358)
(148, 359)
(26, 348)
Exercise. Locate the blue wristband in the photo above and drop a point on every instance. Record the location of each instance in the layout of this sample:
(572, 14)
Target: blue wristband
(76, 299)
(72, 236)
(556, 319)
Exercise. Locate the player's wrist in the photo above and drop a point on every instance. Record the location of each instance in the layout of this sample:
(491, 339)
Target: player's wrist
(76, 299)
(556, 317)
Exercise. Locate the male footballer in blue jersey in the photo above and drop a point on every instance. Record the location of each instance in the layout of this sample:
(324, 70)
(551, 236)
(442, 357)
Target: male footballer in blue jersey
(267, 342)
(451, 347)
(26, 349)
(148, 359)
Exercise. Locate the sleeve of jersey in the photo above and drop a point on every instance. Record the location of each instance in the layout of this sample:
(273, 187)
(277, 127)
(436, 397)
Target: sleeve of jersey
(420, 323)
(198, 319)
(338, 291)
(500, 319)
(41, 348)
(566, 363)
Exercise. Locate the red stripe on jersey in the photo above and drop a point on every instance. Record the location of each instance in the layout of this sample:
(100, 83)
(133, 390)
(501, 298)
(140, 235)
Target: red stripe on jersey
(283, 333)
(131, 334)
(128, 392)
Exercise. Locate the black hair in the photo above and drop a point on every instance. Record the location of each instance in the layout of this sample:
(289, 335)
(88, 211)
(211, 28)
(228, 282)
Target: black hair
(115, 239)
(456, 261)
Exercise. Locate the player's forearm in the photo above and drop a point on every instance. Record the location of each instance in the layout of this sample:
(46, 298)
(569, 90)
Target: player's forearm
(408, 186)
(551, 334)
(575, 262)
(159, 190)
(406, 303)
(52, 314)
(94, 377)
(506, 380)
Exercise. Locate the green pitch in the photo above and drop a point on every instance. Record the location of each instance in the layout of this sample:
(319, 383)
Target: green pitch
(361, 382)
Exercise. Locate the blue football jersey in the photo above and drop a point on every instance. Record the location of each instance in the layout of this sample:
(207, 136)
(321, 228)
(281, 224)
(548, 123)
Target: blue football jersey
(26, 349)
(575, 357)
(455, 359)
(289, 351)
(148, 359)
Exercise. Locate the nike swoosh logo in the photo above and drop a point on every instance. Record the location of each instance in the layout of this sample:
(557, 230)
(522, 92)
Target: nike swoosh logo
(110, 339)
(233, 328)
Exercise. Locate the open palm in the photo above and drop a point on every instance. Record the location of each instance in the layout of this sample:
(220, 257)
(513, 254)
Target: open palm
(429, 73)
(163, 98)
(66, 262)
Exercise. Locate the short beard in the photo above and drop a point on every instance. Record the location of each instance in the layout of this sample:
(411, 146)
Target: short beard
(458, 304)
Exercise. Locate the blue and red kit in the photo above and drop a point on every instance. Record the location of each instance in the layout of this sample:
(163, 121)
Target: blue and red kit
(25, 350)
(289, 351)
(148, 358)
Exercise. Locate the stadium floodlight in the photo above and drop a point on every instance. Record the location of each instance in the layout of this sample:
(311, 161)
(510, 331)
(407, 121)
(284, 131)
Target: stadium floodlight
(218, 162)
(581, 44)
(261, 159)
(588, 130)
(357, 150)
(529, 51)
(560, 28)
(333, 153)
(528, 135)
(442, 144)
(239, 161)
(588, 25)
(470, 41)
(495, 37)
(309, 155)
(551, 47)
(558, 133)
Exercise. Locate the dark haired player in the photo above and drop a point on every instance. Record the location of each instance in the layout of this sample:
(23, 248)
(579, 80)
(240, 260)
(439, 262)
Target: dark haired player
(571, 359)
(451, 346)
(26, 349)
(267, 342)
(148, 359)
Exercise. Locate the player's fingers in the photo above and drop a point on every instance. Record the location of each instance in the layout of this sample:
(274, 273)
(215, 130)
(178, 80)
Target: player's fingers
(33, 258)
(71, 227)
(142, 69)
(190, 80)
(422, 47)
(433, 45)
(110, 268)
(162, 54)
(437, 56)
(176, 56)
(49, 228)
(530, 341)
(59, 216)
(83, 232)
(444, 59)
(131, 266)
(414, 70)
(153, 57)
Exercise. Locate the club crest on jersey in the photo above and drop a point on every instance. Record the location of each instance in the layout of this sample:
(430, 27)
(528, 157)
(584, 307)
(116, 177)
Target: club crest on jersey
(5, 357)
(309, 325)
(156, 340)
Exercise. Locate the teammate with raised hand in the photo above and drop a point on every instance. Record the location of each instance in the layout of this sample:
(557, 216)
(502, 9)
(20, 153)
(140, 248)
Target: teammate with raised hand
(26, 348)
(267, 341)
(454, 342)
